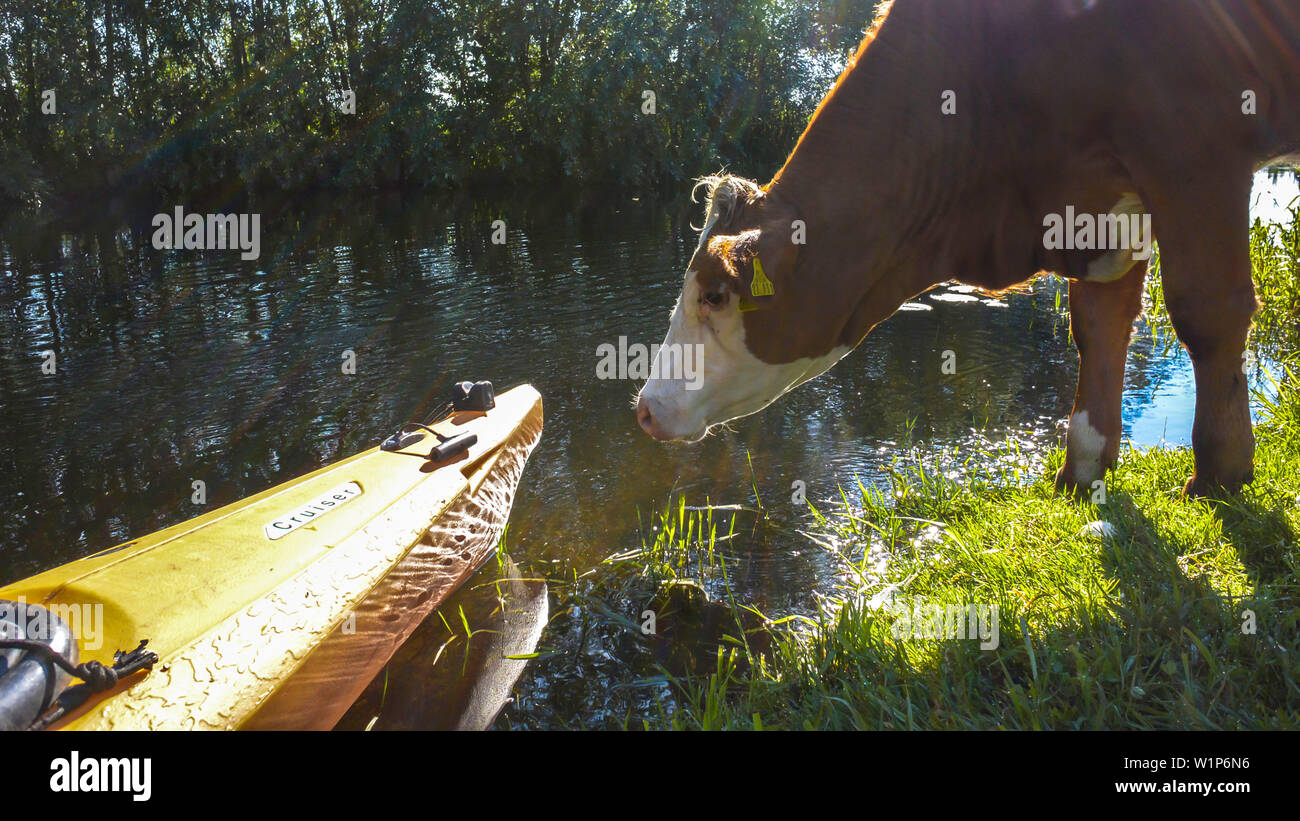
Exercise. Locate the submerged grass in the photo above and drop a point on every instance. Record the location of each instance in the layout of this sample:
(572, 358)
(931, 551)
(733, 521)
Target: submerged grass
(1184, 616)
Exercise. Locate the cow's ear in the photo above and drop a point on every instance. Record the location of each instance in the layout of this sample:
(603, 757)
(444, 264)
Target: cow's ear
(714, 269)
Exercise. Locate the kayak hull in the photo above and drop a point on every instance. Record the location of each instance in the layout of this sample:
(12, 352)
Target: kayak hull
(457, 545)
(262, 629)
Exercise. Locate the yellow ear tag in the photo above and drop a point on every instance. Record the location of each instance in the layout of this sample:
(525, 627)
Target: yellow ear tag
(761, 285)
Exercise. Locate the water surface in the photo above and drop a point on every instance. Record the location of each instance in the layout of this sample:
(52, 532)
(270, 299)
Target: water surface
(174, 367)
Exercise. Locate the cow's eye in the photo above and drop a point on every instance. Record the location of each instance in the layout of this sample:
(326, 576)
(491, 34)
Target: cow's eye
(715, 299)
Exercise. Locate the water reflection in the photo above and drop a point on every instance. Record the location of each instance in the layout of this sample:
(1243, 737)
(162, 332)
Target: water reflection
(175, 367)
(456, 672)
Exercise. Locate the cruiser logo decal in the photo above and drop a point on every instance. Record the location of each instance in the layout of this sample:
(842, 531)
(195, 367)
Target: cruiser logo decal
(314, 509)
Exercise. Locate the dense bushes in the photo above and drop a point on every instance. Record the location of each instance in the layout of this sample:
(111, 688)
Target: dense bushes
(229, 94)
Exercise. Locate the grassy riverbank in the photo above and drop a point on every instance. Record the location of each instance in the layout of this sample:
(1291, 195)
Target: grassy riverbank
(1183, 617)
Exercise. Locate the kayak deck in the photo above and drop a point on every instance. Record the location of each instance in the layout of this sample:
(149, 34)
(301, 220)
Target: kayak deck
(276, 611)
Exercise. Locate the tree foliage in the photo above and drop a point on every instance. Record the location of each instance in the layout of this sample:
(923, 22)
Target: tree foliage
(203, 95)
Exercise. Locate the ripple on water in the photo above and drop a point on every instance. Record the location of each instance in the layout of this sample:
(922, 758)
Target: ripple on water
(206, 366)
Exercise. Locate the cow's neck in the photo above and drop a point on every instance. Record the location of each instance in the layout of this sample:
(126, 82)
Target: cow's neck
(870, 176)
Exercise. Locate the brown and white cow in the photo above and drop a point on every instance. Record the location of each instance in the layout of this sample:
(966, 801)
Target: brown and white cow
(957, 129)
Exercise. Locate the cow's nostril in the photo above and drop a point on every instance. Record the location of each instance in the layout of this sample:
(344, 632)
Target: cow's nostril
(644, 418)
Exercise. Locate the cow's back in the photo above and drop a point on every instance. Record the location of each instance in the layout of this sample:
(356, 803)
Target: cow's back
(1214, 75)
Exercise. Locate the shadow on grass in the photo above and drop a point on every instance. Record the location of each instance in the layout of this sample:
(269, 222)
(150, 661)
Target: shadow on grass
(1152, 568)
(1177, 644)
(1253, 530)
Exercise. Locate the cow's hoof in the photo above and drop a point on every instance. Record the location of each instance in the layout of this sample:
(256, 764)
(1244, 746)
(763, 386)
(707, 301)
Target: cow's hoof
(1067, 485)
(1199, 487)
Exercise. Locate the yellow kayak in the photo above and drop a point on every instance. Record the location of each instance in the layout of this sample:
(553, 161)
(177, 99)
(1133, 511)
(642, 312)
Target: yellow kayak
(276, 611)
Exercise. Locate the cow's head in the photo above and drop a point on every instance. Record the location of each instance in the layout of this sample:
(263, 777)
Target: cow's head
(750, 329)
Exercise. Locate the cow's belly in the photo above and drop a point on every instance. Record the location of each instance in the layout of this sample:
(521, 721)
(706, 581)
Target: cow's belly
(1286, 159)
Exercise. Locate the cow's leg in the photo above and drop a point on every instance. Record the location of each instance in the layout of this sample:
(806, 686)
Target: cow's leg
(1101, 322)
(1205, 268)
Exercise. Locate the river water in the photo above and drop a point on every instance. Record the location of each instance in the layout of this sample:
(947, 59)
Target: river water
(173, 367)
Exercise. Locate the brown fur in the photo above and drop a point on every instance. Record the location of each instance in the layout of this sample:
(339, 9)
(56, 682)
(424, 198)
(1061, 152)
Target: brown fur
(1059, 102)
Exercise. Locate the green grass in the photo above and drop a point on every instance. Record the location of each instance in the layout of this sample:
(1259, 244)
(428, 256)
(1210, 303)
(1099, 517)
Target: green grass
(1145, 629)
(1275, 258)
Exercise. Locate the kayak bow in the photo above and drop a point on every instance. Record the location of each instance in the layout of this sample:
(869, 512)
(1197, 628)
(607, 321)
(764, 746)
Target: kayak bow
(276, 611)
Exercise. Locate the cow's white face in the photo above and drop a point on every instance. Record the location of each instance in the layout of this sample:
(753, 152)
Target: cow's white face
(731, 380)
(731, 383)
